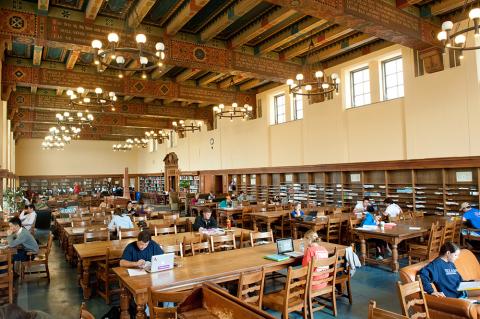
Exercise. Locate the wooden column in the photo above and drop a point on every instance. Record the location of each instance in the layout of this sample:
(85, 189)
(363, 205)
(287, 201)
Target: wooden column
(171, 172)
(126, 184)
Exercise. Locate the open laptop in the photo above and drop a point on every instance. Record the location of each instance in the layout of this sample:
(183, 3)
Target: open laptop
(311, 216)
(160, 263)
(285, 247)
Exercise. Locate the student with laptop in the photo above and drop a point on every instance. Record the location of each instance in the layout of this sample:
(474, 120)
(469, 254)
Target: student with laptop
(297, 212)
(314, 251)
(136, 254)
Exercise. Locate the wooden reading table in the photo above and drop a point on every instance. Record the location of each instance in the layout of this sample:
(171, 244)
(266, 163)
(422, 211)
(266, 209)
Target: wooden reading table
(318, 224)
(267, 217)
(216, 267)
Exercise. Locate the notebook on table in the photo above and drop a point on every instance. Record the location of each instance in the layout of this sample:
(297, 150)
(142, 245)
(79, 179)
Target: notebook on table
(277, 257)
(469, 285)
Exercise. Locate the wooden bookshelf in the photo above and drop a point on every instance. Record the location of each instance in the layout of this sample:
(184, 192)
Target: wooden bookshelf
(151, 184)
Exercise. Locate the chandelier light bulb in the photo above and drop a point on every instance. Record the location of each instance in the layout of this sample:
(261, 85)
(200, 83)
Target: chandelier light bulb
(319, 74)
(66, 114)
(308, 87)
(120, 75)
(143, 60)
(474, 13)
(447, 26)
(334, 76)
(79, 114)
(290, 82)
(69, 92)
(144, 75)
(90, 117)
(141, 38)
(460, 39)
(80, 90)
(86, 100)
(174, 123)
(216, 109)
(299, 77)
(98, 91)
(200, 123)
(112, 37)
(162, 55)
(234, 105)
(111, 94)
(442, 36)
(325, 86)
(97, 44)
(120, 59)
(221, 106)
(159, 46)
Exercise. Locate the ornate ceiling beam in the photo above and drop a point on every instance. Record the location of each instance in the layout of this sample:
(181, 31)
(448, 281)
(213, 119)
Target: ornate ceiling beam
(357, 53)
(37, 55)
(252, 84)
(57, 33)
(93, 7)
(139, 11)
(225, 19)
(189, 9)
(401, 4)
(72, 59)
(128, 86)
(187, 74)
(318, 40)
(43, 7)
(442, 7)
(159, 72)
(204, 81)
(343, 46)
(225, 84)
(286, 36)
(257, 28)
(377, 18)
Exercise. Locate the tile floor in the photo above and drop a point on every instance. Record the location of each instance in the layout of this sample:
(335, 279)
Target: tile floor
(62, 297)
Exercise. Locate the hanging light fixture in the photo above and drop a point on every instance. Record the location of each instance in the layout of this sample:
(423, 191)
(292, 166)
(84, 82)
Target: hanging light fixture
(115, 56)
(92, 99)
(122, 147)
(321, 85)
(454, 35)
(233, 110)
(50, 143)
(159, 136)
(66, 118)
(182, 127)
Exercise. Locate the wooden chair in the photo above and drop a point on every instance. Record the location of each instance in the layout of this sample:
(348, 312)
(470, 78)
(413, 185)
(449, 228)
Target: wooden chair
(378, 313)
(343, 277)
(82, 223)
(96, 235)
(162, 230)
(412, 299)
(41, 259)
(418, 214)
(334, 227)
(127, 233)
(176, 249)
(105, 275)
(458, 231)
(6, 273)
(352, 224)
(245, 239)
(84, 313)
(261, 238)
(417, 252)
(322, 272)
(406, 215)
(136, 219)
(284, 227)
(223, 242)
(293, 297)
(201, 247)
(250, 287)
(245, 221)
(449, 232)
(157, 298)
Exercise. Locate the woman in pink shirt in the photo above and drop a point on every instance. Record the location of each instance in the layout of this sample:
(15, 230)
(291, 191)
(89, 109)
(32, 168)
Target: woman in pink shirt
(314, 251)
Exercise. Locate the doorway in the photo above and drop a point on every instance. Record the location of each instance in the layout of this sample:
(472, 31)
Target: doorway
(218, 184)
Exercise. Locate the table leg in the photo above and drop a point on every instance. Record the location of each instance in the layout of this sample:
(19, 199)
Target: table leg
(269, 226)
(86, 279)
(363, 249)
(79, 273)
(140, 311)
(70, 250)
(124, 302)
(255, 227)
(295, 232)
(395, 265)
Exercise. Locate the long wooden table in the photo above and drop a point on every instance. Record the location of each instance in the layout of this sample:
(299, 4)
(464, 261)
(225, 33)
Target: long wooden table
(394, 236)
(268, 217)
(89, 253)
(319, 223)
(217, 267)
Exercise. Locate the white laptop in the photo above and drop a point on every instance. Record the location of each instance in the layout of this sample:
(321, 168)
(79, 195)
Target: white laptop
(285, 247)
(160, 263)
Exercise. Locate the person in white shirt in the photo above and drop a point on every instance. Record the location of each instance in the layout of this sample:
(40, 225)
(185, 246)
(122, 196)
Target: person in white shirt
(120, 220)
(28, 216)
(392, 210)
(362, 206)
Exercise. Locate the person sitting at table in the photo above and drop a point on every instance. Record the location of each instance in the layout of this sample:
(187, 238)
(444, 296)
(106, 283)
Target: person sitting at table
(392, 210)
(140, 209)
(371, 220)
(140, 251)
(211, 196)
(120, 219)
(130, 208)
(195, 199)
(227, 202)
(442, 273)
(314, 251)
(471, 217)
(297, 211)
(360, 207)
(241, 196)
(204, 221)
(21, 239)
(28, 216)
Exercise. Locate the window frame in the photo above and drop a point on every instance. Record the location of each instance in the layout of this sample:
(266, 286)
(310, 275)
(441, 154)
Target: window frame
(352, 86)
(295, 110)
(275, 108)
(384, 77)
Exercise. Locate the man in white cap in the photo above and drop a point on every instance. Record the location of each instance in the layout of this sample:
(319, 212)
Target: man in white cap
(471, 216)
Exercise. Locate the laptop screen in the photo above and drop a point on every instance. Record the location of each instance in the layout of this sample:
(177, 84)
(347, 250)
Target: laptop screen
(284, 245)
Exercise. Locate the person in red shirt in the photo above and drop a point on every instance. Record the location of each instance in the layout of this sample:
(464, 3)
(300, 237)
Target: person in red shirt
(314, 251)
(76, 188)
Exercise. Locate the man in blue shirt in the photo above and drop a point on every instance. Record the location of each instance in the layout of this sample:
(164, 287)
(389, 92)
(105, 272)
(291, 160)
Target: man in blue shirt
(472, 217)
(137, 253)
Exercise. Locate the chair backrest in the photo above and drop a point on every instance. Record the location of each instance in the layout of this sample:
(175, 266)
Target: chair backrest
(84, 313)
(136, 219)
(127, 233)
(112, 258)
(156, 299)
(48, 248)
(458, 231)
(435, 240)
(162, 230)
(82, 223)
(343, 269)
(418, 213)
(322, 272)
(261, 238)
(223, 242)
(96, 235)
(406, 215)
(171, 218)
(378, 313)
(176, 249)
(352, 224)
(448, 232)
(412, 299)
(200, 247)
(250, 287)
(295, 289)
(6, 266)
(334, 227)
